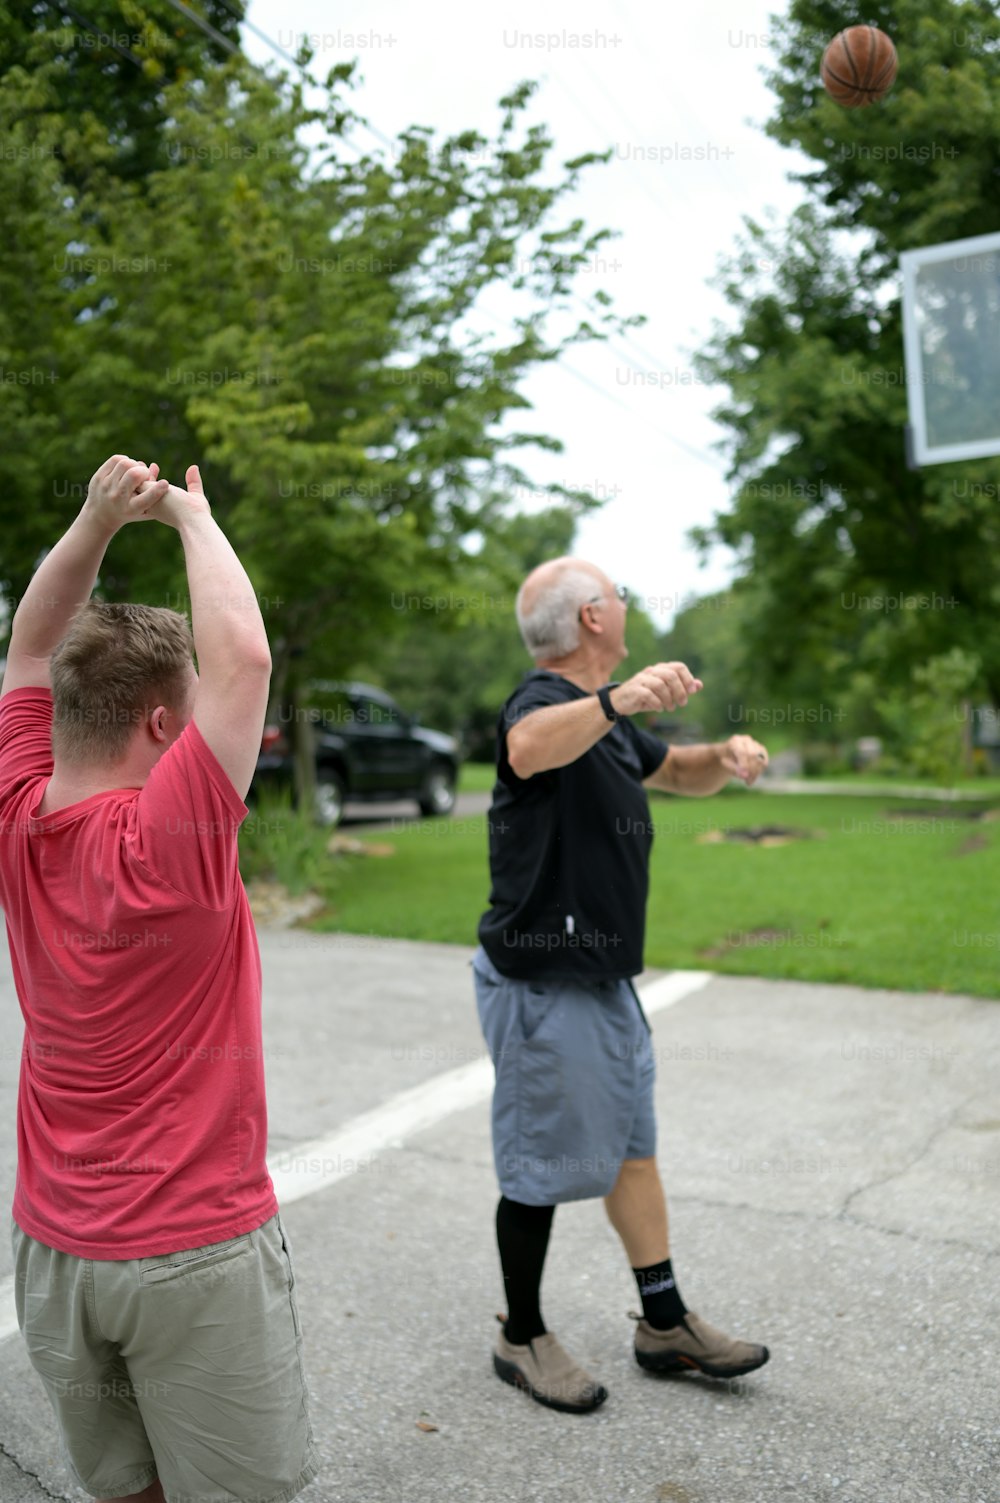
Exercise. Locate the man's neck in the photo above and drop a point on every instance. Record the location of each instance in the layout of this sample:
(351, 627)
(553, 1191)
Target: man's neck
(587, 676)
(67, 787)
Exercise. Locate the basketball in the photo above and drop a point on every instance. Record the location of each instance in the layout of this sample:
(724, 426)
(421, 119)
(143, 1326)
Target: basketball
(859, 66)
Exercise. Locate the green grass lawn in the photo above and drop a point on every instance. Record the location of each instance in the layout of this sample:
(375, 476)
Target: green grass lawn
(983, 787)
(476, 777)
(870, 898)
(479, 777)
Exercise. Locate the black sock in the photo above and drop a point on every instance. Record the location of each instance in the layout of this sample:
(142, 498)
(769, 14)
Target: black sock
(523, 1238)
(661, 1303)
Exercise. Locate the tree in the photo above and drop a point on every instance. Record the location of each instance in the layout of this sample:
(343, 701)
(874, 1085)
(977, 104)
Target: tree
(862, 570)
(707, 635)
(299, 324)
(457, 653)
(102, 66)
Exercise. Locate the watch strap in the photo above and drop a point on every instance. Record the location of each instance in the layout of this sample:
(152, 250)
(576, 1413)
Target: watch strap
(604, 695)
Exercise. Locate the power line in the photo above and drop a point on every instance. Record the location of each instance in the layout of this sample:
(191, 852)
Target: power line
(124, 52)
(206, 27)
(560, 361)
(276, 46)
(698, 454)
(624, 335)
(648, 50)
(640, 181)
(638, 416)
(281, 52)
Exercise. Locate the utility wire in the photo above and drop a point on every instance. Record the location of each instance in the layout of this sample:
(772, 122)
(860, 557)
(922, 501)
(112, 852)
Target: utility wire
(125, 52)
(655, 360)
(560, 361)
(277, 47)
(640, 417)
(206, 27)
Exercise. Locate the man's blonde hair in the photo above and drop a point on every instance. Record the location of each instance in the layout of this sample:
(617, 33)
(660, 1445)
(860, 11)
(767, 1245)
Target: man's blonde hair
(115, 664)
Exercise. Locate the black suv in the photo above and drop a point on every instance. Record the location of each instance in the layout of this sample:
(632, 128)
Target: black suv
(367, 748)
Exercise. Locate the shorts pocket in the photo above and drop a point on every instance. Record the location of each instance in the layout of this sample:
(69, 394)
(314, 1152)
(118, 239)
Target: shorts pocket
(536, 1004)
(286, 1253)
(176, 1265)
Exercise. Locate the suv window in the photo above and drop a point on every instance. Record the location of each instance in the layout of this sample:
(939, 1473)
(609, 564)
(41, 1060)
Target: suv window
(376, 712)
(330, 709)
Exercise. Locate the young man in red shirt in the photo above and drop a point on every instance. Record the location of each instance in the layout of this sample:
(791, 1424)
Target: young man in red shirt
(152, 1275)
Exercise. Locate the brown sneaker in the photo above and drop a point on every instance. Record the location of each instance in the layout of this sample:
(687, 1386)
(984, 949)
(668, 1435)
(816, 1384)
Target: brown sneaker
(695, 1344)
(549, 1374)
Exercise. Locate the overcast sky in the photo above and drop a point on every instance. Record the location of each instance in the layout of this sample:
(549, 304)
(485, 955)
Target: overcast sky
(681, 101)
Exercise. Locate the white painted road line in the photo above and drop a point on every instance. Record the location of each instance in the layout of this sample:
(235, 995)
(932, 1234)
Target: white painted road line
(671, 988)
(322, 1162)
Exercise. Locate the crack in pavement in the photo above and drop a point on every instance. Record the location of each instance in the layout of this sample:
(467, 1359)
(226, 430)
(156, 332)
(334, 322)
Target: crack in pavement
(790, 1213)
(26, 1472)
(818, 1217)
(921, 1153)
(441, 1157)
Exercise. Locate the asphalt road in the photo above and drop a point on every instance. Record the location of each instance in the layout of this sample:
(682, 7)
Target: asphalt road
(358, 817)
(832, 1158)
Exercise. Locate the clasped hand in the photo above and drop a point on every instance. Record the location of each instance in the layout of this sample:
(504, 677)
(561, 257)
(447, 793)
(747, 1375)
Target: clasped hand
(124, 490)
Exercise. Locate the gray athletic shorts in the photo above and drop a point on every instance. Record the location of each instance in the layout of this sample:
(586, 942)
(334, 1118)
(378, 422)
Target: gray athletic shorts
(186, 1366)
(574, 1083)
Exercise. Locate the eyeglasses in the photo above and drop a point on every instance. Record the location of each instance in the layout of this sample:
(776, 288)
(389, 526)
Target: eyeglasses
(621, 593)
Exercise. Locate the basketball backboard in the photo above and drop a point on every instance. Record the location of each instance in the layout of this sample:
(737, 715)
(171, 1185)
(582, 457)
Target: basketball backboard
(951, 333)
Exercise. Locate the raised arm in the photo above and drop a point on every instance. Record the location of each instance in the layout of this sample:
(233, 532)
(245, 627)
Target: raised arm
(698, 771)
(121, 491)
(234, 660)
(556, 735)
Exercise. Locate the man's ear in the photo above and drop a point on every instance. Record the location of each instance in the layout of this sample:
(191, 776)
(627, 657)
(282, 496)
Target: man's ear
(594, 622)
(158, 723)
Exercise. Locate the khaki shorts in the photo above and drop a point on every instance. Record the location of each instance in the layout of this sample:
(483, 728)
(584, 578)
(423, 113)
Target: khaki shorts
(186, 1367)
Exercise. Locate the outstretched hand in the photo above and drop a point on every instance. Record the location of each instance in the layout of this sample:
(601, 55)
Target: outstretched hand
(123, 490)
(744, 757)
(661, 686)
(178, 506)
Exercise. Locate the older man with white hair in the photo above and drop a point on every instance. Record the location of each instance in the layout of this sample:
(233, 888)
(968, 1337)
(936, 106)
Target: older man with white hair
(570, 837)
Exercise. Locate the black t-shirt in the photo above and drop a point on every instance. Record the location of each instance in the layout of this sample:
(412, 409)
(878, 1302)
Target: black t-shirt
(569, 851)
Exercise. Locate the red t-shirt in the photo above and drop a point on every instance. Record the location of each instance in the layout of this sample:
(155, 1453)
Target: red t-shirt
(141, 1122)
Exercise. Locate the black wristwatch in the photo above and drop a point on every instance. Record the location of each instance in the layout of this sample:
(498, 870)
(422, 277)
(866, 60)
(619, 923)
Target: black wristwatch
(604, 695)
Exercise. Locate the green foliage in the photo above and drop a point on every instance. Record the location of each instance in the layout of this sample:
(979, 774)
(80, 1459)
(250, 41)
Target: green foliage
(298, 325)
(826, 908)
(709, 636)
(859, 569)
(928, 724)
(457, 654)
(279, 844)
(95, 76)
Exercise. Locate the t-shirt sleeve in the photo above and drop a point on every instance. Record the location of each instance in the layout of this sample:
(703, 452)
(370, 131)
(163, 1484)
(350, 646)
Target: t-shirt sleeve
(652, 751)
(25, 739)
(188, 816)
(535, 694)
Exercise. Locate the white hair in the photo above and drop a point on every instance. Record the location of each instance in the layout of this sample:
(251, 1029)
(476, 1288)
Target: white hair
(551, 629)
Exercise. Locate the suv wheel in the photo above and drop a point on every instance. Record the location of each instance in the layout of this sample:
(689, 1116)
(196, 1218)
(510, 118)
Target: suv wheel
(330, 794)
(438, 793)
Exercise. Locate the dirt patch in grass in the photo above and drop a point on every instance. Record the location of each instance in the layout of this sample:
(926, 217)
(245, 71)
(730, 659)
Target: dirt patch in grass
(766, 835)
(769, 937)
(988, 815)
(972, 843)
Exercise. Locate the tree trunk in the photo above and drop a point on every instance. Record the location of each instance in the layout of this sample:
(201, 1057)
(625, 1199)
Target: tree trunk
(302, 736)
